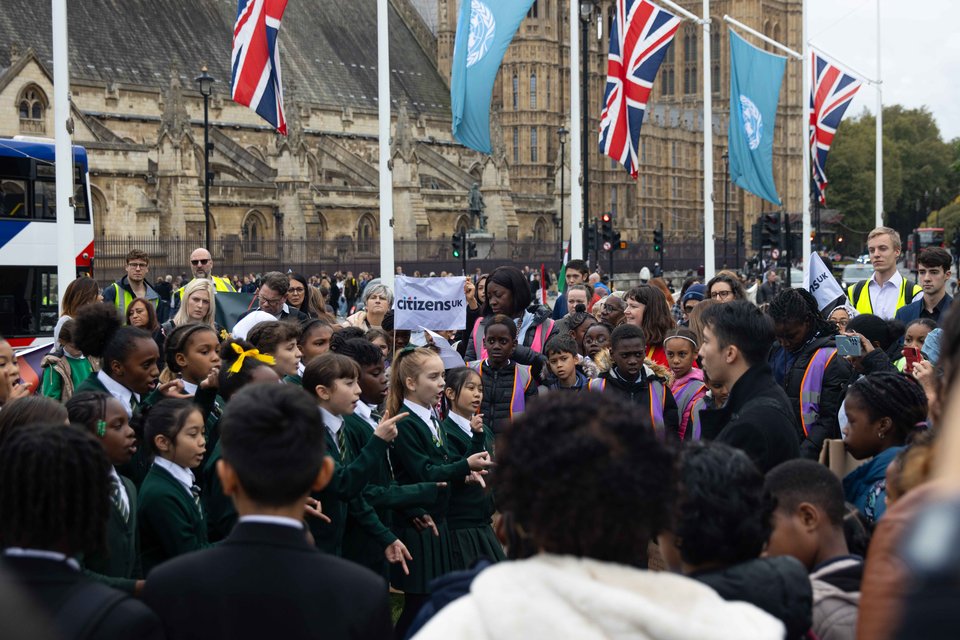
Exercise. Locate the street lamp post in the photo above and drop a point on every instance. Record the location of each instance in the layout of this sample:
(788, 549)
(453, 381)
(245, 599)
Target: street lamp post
(562, 135)
(726, 193)
(205, 80)
(587, 8)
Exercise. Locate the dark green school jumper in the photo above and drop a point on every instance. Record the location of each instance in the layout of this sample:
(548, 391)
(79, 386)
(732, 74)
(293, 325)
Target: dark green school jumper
(219, 509)
(344, 492)
(471, 507)
(384, 495)
(171, 523)
(118, 563)
(418, 457)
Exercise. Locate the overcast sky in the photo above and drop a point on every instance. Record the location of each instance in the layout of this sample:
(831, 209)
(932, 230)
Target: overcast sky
(920, 53)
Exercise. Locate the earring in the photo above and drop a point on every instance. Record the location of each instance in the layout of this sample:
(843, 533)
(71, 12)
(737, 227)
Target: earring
(101, 428)
(882, 435)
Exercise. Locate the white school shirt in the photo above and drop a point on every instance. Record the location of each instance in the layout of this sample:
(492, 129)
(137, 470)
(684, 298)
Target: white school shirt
(426, 415)
(123, 489)
(277, 520)
(365, 411)
(20, 552)
(118, 391)
(884, 298)
(334, 424)
(181, 474)
(461, 422)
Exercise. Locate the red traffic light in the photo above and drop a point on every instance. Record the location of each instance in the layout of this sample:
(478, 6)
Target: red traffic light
(605, 218)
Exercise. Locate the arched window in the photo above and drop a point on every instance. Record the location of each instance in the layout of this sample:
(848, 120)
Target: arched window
(366, 234)
(516, 92)
(534, 148)
(253, 232)
(534, 9)
(32, 107)
(533, 90)
(541, 231)
(463, 224)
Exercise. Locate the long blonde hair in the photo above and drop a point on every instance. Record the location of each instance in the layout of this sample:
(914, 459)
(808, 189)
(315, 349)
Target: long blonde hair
(406, 364)
(197, 284)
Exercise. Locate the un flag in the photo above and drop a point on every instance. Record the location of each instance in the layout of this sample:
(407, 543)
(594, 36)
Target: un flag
(484, 31)
(755, 78)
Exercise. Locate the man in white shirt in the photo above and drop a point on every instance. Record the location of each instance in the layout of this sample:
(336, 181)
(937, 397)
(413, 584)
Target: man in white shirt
(887, 291)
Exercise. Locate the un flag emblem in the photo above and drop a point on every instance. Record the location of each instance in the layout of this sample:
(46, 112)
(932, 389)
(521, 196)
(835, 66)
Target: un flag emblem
(752, 121)
(482, 29)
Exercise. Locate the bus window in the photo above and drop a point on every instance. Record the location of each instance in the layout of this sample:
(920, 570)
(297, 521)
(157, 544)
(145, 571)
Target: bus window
(28, 300)
(80, 211)
(44, 200)
(13, 199)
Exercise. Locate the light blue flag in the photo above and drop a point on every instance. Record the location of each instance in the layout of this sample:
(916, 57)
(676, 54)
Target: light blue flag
(755, 78)
(484, 31)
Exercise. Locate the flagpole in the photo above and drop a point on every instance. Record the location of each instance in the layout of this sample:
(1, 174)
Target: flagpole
(386, 177)
(709, 246)
(806, 83)
(879, 132)
(63, 150)
(576, 155)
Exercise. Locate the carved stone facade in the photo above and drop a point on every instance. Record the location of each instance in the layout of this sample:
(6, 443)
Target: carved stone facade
(140, 115)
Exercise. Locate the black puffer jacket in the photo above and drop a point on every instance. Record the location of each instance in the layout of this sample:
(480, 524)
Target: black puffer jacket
(757, 419)
(522, 354)
(780, 586)
(836, 378)
(638, 392)
(498, 392)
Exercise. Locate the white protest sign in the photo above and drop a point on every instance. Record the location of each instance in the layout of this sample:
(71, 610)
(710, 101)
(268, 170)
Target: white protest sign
(437, 303)
(821, 283)
(450, 357)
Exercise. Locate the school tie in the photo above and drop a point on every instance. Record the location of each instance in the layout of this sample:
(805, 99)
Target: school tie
(117, 496)
(375, 415)
(134, 405)
(438, 439)
(195, 491)
(342, 441)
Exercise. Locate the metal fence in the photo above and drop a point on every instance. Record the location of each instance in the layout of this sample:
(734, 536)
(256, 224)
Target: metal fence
(172, 256)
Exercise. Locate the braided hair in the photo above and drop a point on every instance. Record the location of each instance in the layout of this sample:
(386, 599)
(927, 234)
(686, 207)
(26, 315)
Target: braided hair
(179, 340)
(894, 396)
(54, 490)
(799, 305)
(88, 408)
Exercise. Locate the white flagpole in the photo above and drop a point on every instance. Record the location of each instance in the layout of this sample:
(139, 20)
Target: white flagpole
(63, 150)
(576, 155)
(807, 82)
(879, 132)
(386, 176)
(709, 257)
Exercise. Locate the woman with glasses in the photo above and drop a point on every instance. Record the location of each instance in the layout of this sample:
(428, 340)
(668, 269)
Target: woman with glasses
(725, 287)
(301, 297)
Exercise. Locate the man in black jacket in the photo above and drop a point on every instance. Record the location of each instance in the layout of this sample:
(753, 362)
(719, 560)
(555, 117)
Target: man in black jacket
(757, 417)
(266, 580)
(272, 298)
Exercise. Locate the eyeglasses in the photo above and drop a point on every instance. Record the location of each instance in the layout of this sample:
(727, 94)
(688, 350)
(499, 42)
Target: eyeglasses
(269, 301)
(721, 295)
(137, 265)
(295, 290)
(197, 263)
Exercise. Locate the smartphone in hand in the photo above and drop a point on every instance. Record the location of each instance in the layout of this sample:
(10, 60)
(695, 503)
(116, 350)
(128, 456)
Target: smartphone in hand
(913, 356)
(849, 346)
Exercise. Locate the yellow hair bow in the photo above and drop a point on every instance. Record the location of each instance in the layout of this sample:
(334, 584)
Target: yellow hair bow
(250, 353)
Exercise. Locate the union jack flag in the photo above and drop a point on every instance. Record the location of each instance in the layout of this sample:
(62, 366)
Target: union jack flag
(639, 40)
(255, 61)
(831, 92)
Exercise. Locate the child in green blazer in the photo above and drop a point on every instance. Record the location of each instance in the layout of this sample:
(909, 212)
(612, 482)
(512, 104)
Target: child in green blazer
(128, 370)
(421, 455)
(172, 520)
(469, 514)
(382, 493)
(332, 378)
(118, 563)
(66, 368)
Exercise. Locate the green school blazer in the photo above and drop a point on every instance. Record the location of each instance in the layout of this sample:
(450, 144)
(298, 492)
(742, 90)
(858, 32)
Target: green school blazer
(470, 505)
(170, 522)
(118, 564)
(417, 458)
(383, 495)
(346, 486)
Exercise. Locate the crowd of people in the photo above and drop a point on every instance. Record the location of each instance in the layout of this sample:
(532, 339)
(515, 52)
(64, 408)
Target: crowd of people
(660, 462)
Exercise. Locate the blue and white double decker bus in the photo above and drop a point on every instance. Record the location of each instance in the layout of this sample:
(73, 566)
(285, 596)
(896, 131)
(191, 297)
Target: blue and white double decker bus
(28, 238)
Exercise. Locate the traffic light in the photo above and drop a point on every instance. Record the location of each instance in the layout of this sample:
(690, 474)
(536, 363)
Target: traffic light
(616, 243)
(457, 243)
(658, 240)
(606, 228)
(591, 237)
(471, 249)
(770, 231)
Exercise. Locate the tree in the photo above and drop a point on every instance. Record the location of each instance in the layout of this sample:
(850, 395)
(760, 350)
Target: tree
(921, 172)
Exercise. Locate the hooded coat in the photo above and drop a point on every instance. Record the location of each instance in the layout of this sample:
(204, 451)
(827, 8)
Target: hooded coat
(560, 597)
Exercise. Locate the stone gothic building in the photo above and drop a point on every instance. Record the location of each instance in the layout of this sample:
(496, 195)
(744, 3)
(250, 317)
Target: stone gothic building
(138, 111)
